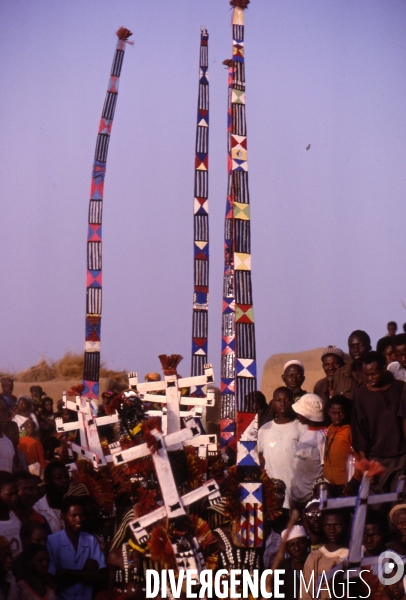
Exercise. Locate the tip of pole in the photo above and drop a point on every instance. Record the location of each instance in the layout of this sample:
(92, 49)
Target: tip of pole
(169, 363)
(124, 34)
(243, 4)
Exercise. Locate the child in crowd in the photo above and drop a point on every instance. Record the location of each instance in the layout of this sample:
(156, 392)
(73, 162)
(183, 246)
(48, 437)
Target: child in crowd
(30, 446)
(308, 458)
(278, 439)
(336, 531)
(33, 584)
(36, 393)
(32, 532)
(338, 446)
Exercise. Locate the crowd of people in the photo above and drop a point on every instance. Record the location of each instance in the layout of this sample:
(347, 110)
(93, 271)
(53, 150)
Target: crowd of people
(65, 529)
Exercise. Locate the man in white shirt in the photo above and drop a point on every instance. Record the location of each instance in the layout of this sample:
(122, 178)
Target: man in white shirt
(56, 477)
(278, 439)
(76, 559)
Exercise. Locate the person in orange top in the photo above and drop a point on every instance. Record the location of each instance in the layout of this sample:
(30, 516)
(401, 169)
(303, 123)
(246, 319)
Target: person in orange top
(30, 447)
(338, 445)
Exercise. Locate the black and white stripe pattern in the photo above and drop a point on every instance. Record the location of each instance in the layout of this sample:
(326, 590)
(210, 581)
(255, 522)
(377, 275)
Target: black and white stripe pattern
(238, 33)
(94, 256)
(228, 229)
(201, 273)
(228, 366)
(243, 290)
(201, 184)
(245, 338)
(198, 362)
(92, 366)
(228, 285)
(202, 140)
(239, 126)
(239, 72)
(94, 301)
(203, 96)
(204, 56)
(230, 179)
(201, 228)
(242, 236)
(246, 400)
(200, 321)
(227, 410)
(117, 63)
(240, 190)
(95, 211)
(102, 146)
(109, 106)
(228, 324)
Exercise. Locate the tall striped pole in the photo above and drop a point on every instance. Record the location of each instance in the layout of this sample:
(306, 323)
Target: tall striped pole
(238, 361)
(201, 220)
(91, 369)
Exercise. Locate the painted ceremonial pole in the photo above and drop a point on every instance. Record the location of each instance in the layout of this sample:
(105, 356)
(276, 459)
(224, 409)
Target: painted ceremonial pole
(91, 369)
(238, 361)
(238, 364)
(201, 220)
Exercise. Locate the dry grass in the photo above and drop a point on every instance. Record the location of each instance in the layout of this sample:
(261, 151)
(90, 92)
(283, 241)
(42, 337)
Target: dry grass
(69, 366)
(40, 372)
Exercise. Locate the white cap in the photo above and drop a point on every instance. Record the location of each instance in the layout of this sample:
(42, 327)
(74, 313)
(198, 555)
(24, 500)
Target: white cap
(293, 362)
(295, 532)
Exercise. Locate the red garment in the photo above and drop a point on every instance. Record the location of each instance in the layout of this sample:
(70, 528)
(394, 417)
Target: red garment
(32, 450)
(338, 447)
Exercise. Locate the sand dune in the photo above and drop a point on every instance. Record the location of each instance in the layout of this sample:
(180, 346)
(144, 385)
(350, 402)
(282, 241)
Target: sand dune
(55, 387)
(271, 376)
(273, 368)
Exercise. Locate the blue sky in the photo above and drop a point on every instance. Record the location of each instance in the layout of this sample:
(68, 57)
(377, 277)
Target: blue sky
(328, 224)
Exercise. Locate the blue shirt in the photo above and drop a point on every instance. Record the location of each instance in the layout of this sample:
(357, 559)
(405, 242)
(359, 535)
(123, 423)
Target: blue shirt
(64, 556)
